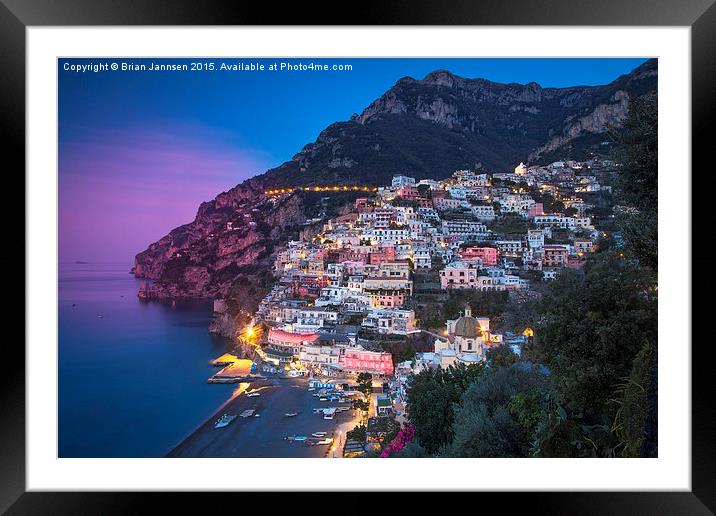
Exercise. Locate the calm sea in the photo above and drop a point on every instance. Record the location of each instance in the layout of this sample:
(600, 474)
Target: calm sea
(132, 383)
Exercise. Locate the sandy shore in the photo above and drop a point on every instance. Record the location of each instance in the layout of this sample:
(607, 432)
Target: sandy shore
(264, 436)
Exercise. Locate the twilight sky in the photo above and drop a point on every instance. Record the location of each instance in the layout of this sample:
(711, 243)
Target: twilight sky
(140, 150)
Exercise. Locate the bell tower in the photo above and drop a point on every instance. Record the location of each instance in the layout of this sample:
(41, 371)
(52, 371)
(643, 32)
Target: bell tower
(468, 311)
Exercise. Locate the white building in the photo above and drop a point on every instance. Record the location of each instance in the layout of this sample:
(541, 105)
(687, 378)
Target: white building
(464, 228)
(391, 321)
(509, 247)
(535, 238)
(399, 181)
(483, 212)
(422, 259)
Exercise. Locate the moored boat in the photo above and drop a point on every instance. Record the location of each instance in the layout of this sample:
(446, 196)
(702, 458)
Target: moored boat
(224, 420)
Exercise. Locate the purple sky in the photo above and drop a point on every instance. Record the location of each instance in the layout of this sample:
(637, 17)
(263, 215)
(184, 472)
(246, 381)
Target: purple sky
(121, 190)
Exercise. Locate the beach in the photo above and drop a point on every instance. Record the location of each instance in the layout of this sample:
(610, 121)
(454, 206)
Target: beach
(265, 435)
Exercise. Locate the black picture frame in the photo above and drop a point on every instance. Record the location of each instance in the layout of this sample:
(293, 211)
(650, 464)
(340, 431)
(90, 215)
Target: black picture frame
(700, 15)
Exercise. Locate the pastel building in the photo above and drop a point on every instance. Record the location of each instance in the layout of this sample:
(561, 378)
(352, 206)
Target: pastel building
(487, 255)
(458, 275)
(364, 361)
(555, 256)
(283, 346)
(408, 192)
(401, 180)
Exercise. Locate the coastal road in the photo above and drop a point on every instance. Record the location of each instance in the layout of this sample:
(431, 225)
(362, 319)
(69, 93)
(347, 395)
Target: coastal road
(264, 436)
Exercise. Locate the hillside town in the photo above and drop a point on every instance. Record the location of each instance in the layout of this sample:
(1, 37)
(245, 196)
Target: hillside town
(340, 292)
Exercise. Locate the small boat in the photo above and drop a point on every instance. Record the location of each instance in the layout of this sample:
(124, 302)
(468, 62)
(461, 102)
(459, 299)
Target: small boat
(327, 440)
(311, 389)
(254, 394)
(300, 438)
(322, 399)
(247, 413)
(291, 414)
(319, 434)
(257, 415)
(224, 420)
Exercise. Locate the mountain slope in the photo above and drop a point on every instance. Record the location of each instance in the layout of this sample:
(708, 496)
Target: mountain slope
(423, 128)
(433, 126)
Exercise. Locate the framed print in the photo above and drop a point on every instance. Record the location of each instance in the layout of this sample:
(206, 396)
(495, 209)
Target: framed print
(439, 245)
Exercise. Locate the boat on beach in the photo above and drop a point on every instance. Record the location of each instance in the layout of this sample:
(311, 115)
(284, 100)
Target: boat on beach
(224, 420)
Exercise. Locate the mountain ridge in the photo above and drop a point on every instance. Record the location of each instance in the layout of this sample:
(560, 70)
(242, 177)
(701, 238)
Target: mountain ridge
(426, 127)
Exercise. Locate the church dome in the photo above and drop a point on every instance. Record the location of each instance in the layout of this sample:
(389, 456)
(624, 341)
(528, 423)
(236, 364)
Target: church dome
(467, 327)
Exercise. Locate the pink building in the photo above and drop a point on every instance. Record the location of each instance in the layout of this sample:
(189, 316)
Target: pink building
(408, 192)
(363, 361)
(386, 255)
(537, 209)
(488, 255)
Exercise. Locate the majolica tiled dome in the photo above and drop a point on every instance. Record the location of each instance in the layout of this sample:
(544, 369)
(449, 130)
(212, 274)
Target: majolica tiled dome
(467, 326)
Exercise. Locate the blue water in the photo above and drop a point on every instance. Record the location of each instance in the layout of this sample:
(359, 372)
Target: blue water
(133, 382)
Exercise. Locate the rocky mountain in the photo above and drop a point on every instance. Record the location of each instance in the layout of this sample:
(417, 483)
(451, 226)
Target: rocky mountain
(423, 128)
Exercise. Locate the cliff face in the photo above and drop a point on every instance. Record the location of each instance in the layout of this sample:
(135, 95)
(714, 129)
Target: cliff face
(230, 237)
(424, 128)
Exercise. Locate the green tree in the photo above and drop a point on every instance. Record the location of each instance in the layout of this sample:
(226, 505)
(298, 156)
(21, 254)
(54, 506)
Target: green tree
(365, 383)
(501, 356)
(640, 137)
(638, 181)
(592, 325)
(412, 450)
(495, 417)
(357, 434)
(432, 395)
(633, 403)
(361, 405)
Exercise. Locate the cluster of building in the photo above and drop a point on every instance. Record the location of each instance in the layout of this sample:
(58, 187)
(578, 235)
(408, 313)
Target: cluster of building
(492, 260)
(355, 277)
